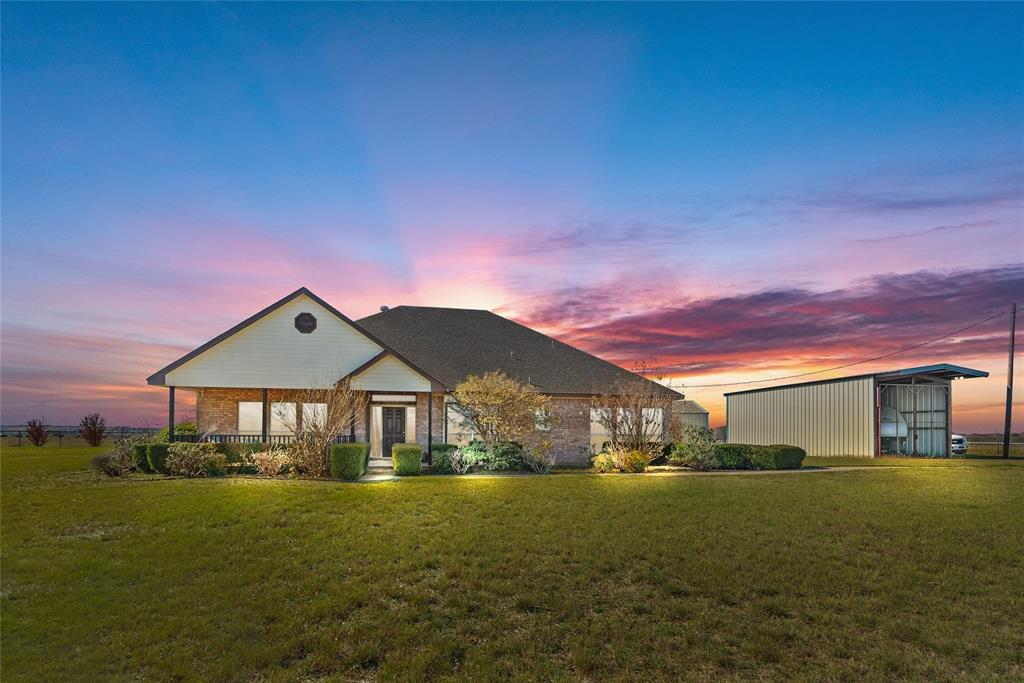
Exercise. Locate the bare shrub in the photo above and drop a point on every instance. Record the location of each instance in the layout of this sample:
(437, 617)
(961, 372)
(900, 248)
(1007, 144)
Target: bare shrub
(108, 464)
(92, 428)
(123, 450)
(337, 406)
(35, 432)
(273, 461)
(195, 459)
(636, 414)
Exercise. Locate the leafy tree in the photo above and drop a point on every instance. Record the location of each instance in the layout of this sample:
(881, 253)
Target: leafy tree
(35, 432)
(92, 428)
(501, 408)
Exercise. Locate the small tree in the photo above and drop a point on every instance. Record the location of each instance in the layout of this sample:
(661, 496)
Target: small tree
(35, 432)
(636, 414)
(501, 408)
(92, 428)
(336, 406)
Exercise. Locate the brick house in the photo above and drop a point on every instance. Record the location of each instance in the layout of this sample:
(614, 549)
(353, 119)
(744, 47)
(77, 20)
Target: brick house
(406, 358)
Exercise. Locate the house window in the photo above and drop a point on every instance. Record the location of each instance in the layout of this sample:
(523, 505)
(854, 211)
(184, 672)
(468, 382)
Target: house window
(314, 415)
(598, 434)
(282, 418)
(542, 420)
(250, 417)
(460, 430)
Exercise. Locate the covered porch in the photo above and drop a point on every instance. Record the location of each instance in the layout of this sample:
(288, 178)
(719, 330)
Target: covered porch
(276, 416)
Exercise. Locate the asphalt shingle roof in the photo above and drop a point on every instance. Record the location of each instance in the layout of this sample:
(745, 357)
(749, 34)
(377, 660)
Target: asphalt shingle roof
(452, 343)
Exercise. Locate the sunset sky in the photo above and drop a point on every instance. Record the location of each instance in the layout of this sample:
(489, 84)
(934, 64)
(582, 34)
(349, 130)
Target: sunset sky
(726, 192)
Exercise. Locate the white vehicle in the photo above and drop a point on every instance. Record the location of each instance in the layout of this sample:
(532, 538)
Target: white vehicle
(958, 444)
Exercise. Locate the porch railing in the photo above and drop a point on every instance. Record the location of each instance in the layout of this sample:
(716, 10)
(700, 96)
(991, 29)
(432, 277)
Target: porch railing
(249, 438)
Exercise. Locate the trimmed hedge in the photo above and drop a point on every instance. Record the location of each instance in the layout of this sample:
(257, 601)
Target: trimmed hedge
(741, 456)
(179, 428)
(406, 458)
(779, 457)
(236, 452)
(733, 456)
(349, 460)
(156, 454)
(441, 457)
(140, 456)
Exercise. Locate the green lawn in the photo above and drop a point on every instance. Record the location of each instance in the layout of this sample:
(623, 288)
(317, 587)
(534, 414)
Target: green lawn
(892, 572)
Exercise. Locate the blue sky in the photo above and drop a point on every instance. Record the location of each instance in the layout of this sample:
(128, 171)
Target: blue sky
(168, 169)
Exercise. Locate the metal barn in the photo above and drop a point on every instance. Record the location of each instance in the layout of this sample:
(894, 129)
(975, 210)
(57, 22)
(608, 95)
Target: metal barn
(901, 412)
(689, 413)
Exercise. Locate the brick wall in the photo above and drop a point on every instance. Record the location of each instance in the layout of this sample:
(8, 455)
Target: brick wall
(217, 408)
(217, 411)
(570, 432)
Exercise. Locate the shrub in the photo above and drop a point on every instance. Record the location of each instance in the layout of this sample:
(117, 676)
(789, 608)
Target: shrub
(603, 463)
(156, 454)
(505, 456)
(195, 460)
(778, 457)
(35, 432)
(179, 428)
(539, 457)
(406, 458)
(238, 453)
(140, 456)
(634, 460)
(92, 428)
(273, 461)
(109, 464)
(441, 457)
(734, 456)
(349, 460)
(695, 450)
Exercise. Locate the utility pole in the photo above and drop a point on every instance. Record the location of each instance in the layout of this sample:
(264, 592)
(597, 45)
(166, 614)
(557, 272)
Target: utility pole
(1009, 383)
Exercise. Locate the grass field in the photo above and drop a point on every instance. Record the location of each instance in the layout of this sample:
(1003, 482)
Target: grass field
(891, 572)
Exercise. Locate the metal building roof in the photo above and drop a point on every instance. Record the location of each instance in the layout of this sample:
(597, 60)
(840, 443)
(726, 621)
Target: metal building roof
(940, 370)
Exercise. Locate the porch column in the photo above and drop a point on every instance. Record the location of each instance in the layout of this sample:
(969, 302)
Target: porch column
(170, 415)
(430, 426)
(263, 436)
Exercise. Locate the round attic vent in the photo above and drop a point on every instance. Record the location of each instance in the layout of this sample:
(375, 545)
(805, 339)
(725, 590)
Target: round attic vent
(305, 323)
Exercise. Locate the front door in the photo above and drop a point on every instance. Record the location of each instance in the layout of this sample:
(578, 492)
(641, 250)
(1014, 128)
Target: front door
(394, 429)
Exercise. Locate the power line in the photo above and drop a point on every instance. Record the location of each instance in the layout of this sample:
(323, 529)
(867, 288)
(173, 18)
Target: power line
(848, 365)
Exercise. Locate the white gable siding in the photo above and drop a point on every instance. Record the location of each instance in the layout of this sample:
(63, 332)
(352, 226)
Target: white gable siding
(390, 374)
(272, 354)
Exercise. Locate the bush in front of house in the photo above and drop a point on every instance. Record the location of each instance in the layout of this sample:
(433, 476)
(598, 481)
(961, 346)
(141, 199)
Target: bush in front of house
(441, 457)
(603, 463)
(695, 450)
(140, 456)
(632, 460)
(238, 453)
(406, 458)
(349, 460)
(156, 455)
(778, 457)
(179, 428)
(273, 461)
(35, 432)
(195, 460)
